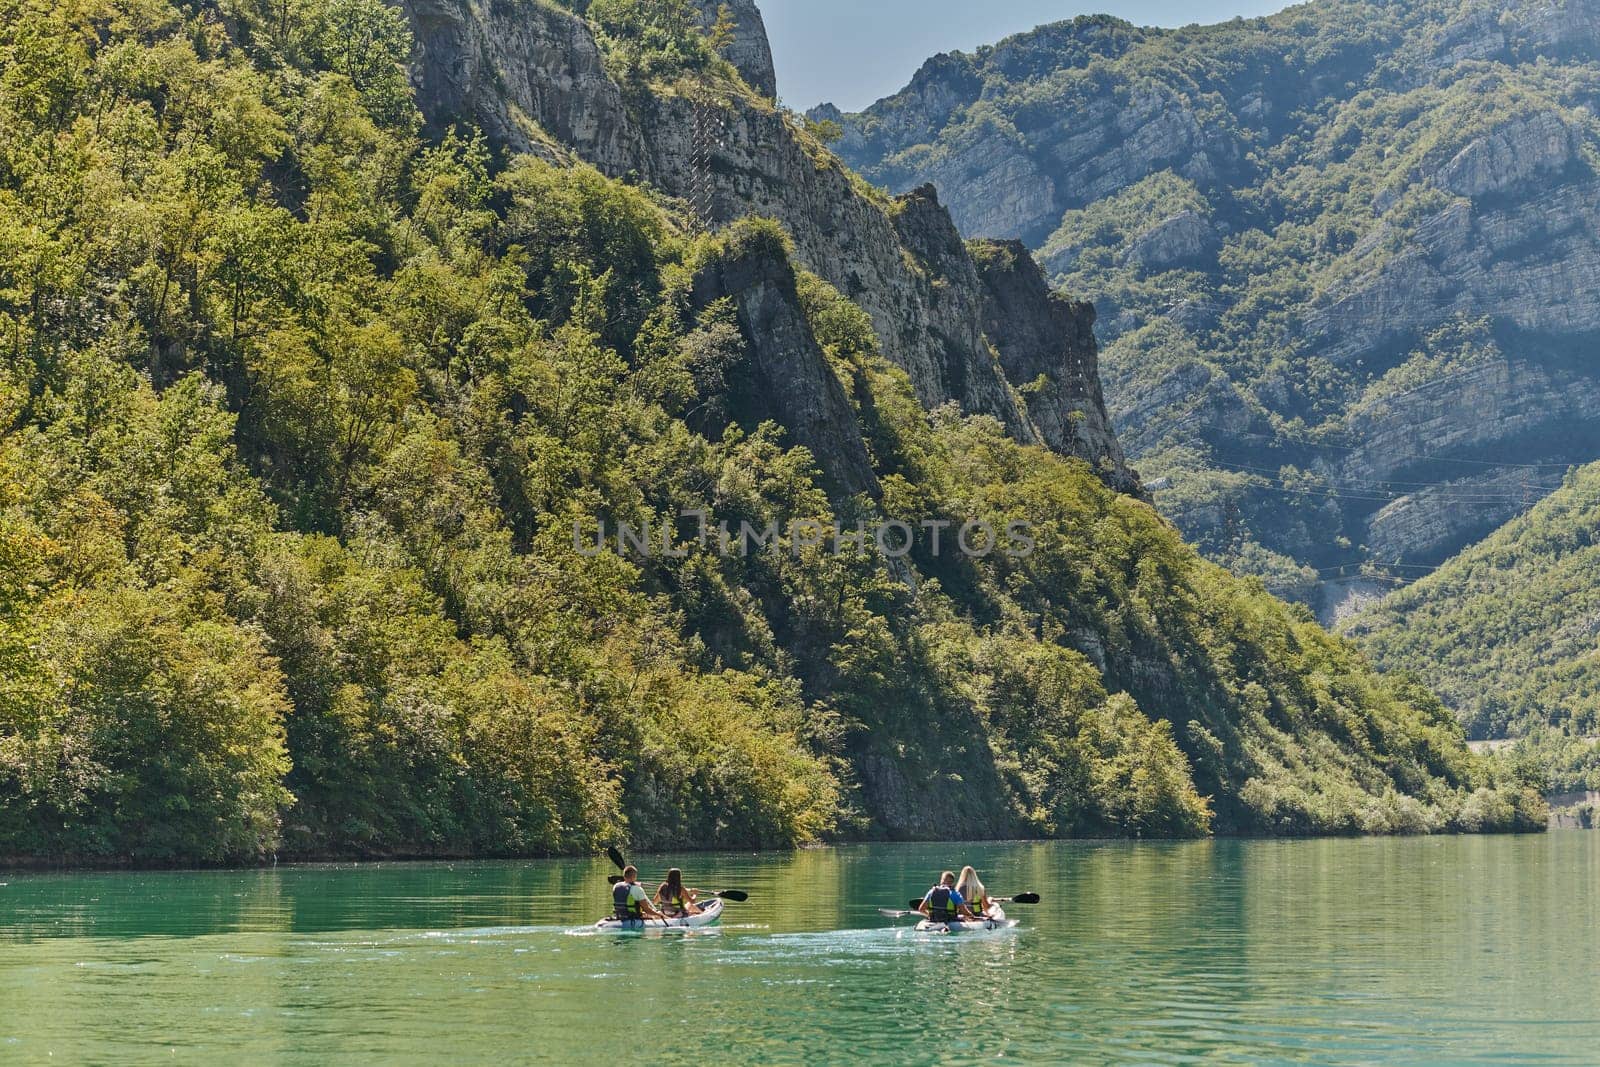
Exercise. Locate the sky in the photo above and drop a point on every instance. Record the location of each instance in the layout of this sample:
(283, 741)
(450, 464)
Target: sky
(852, 52)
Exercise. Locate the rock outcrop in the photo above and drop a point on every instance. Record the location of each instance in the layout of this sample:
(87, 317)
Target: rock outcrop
(1181, 238)
(750, 52)
(1046, 345)
(535, 80)
(786, 377)
(1511, 155)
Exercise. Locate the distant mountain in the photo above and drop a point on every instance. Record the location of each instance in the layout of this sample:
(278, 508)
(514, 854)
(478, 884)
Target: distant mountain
(1508, 632)
(1343, 257)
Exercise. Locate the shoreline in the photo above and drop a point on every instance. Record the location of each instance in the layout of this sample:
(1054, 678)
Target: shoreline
(37, 865)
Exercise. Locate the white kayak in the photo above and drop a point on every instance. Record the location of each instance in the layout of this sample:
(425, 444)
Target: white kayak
(709, 913)
(996, 921)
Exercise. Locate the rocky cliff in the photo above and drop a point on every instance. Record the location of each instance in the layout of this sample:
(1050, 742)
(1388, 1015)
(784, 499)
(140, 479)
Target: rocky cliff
(532, 76)
(1343, 255)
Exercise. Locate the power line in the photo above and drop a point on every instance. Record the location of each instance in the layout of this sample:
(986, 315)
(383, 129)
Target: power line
(1303, 442)
(1520, 487)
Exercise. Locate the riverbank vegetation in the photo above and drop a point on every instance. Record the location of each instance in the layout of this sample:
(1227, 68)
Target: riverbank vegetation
(298, 410)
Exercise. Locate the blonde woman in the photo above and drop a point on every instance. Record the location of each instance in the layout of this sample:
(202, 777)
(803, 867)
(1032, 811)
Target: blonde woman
(972, 891)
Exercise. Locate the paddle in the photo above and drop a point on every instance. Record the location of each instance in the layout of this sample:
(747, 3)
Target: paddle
(738, 896)
(616, 857)
(1020, 898)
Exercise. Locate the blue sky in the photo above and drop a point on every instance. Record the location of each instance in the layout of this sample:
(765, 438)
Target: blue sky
(854, 51)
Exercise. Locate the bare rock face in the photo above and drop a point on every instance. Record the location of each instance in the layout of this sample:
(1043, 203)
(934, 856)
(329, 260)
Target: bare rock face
(787, 378)
(1545, 411)
(534, 82)
(902, 262)
(1003, 190)
(1530, 260)
(750, 52)
(1515, 153)
(1436, 520)
(1046, 345)
(1181, 238)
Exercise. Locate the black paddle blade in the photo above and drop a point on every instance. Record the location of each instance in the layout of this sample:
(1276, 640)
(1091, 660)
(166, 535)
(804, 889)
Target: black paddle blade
(1025, 898)
(613, 878)
(738, 896)
(616, 857)
(916, 902)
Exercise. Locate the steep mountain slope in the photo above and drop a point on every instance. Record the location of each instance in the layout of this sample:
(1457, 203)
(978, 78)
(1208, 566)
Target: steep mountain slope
(312, 406)
(1342, 255)
(1506, 632)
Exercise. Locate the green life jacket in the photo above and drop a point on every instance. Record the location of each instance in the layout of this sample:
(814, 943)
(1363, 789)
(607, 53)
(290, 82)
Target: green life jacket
(673, 899)
(626, 904)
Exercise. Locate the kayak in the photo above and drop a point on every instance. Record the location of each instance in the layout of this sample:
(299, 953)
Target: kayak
(710, 912)
(997, 921)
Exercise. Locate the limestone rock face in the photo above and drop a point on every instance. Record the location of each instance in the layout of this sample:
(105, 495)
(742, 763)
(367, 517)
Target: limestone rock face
(1513, 154)
(1437, 519)
(535, 80)
(750, 52)
(1003, 190)
(1046, 345)
(1529, 260)
(787, 378)
(1541, 413)
(1180, 238)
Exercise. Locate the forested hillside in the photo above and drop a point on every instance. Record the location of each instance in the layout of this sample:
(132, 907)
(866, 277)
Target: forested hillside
(306, 397)
(1343, 256)
(1506, 632)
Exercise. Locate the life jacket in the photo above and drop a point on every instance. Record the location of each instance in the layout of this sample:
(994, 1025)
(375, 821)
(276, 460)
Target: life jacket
(940, 910)
(627, 906)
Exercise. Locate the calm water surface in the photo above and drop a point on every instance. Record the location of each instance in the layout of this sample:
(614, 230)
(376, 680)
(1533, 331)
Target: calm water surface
(1437, 950)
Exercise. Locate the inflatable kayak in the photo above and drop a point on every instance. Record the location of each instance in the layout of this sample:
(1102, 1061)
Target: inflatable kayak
(710, 912)
(996, 921)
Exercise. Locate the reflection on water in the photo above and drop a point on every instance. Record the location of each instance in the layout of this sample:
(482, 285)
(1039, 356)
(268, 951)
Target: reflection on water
(1443, 950)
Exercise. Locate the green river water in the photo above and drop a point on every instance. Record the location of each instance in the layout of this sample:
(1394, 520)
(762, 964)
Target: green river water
(1428, 950)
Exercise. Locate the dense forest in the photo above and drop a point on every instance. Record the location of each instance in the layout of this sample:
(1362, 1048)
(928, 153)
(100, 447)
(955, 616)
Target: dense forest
(1343, 256)
(1505, 632)
(301, 407)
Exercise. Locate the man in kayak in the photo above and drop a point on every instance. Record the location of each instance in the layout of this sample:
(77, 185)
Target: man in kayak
(631, 902)
(944, 904)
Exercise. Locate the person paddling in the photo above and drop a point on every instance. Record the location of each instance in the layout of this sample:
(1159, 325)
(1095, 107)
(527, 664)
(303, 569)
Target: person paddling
(973, 892)
(631, 902)
(673, 899)
(943, 903)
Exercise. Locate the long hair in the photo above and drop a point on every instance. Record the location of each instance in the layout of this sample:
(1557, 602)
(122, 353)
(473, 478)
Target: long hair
(674, 882)
(969, 887)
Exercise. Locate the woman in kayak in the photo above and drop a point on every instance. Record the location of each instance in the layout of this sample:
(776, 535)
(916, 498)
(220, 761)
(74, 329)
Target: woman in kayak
(943, 903)
(673, 899)
(972, 891)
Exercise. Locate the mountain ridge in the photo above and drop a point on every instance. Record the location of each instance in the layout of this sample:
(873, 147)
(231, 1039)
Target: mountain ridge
(1339, 255)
